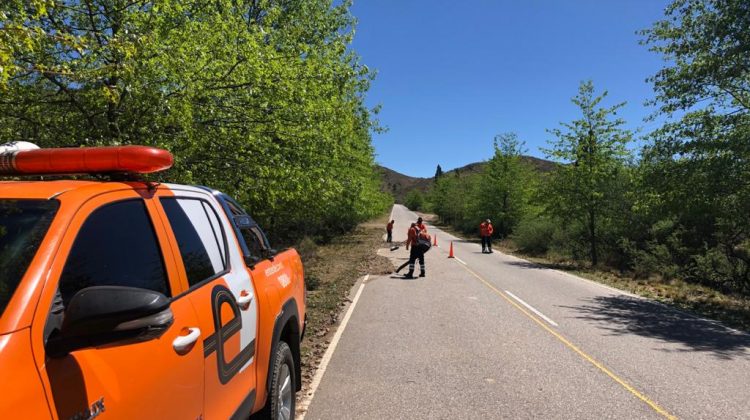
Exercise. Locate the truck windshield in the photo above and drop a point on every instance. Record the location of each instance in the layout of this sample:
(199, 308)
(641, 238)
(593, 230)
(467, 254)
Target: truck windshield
(23, 224)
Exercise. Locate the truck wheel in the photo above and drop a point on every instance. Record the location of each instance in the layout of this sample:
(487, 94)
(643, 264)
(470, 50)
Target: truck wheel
(281, 402)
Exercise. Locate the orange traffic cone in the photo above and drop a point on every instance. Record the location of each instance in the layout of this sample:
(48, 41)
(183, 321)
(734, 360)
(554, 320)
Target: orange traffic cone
(450, 254)
(434, 241)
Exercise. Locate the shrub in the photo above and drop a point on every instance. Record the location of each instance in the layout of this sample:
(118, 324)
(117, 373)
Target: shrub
(534, 235)
(312, 282)
(414, 200)
(307, 249)
(654, 258)
(719, 268)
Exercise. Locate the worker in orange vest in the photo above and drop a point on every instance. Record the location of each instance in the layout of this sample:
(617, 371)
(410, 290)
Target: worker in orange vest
(485, 231)
(416, 250)
(389, 231)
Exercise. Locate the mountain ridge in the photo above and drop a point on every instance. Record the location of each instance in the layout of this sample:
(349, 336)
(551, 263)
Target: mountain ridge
(399, 185)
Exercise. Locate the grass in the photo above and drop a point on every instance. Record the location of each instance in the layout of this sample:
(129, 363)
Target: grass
(731, 309)
(331, 270)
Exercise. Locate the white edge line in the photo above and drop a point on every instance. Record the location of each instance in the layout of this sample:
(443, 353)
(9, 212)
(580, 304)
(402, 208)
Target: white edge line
(305, 403)
(459, 260)
(531, 308)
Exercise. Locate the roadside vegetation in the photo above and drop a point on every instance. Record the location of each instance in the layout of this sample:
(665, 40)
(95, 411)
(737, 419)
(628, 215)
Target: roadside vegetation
(671, 219)
(260, 98)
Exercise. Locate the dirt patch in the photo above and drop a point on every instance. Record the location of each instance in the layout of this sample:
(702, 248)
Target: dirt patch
(331, 270)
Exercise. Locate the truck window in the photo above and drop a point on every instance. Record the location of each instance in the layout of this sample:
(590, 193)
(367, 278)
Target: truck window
(23, 224)
(116, 246)
(255, 241)
(199, 235)
(253, 237)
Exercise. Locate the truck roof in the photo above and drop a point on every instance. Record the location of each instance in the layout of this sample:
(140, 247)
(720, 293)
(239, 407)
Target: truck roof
(50, 189)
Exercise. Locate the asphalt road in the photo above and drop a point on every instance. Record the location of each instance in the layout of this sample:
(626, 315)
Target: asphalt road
(461, 344)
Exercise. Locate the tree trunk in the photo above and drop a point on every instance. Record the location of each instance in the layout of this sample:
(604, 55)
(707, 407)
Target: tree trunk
(592, 237)
(503, 229)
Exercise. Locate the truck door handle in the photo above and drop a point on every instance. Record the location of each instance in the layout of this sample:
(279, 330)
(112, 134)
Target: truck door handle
(244, 300)
(184, 343)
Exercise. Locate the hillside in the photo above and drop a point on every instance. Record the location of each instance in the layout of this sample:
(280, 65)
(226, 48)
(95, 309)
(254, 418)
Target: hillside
(399, 184)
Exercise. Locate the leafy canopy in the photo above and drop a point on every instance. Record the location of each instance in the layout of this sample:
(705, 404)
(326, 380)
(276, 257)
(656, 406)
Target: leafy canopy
(260, 98)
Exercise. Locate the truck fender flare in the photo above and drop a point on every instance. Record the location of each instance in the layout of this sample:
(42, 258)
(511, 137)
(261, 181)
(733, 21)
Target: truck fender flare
(288, 312)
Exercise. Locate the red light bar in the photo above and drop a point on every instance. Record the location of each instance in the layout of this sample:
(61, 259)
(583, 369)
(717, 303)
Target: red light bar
(85, 160)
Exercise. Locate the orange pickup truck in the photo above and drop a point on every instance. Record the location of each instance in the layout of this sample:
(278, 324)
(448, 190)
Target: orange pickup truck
(131, 300)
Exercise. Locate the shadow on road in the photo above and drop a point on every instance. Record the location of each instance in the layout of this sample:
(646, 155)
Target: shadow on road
(623, 315)
(548, 266)
(467, 241)
(403, 278)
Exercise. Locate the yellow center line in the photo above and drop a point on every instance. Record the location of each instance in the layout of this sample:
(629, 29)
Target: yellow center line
(575, 348)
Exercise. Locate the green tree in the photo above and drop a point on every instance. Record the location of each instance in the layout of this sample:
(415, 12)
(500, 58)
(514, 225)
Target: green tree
(696, 174)
(438, 172)
(414, 200)
(452, 199)
(262, 99)
(17, 39)
(505, 185)
(593, 152)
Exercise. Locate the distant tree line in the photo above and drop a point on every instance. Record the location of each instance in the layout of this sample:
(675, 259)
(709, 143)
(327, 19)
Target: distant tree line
(260, 98)
(679, 207)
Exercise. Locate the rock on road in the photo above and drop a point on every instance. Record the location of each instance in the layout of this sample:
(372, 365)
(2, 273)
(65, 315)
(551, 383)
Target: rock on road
(493, 336)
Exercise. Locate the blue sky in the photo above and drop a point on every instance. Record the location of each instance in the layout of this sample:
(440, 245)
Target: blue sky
(452, 74)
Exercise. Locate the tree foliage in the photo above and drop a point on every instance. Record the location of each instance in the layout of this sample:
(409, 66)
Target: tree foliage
(414, 200)
(505, 185)
(501, 192)
(453, 198)
(696, 168)
(260, 98)
(438, 172)
(593, 152)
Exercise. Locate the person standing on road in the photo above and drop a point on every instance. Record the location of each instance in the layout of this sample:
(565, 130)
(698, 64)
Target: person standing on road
(485, 231)
(389, 231)
(416, 250)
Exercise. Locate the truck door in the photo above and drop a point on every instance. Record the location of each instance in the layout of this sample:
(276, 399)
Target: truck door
(221, 290)
(113, 240)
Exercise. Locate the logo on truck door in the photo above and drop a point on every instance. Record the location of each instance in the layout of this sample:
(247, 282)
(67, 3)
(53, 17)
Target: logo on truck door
(97, 408)
(220, 296)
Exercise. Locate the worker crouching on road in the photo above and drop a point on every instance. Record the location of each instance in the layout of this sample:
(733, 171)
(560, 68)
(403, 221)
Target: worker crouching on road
(485, 231)
(389, 231)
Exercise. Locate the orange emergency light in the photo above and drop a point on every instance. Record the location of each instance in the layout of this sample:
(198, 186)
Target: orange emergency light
(85, 160)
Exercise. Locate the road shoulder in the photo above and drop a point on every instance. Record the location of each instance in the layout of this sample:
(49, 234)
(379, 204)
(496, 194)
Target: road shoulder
(333, 272)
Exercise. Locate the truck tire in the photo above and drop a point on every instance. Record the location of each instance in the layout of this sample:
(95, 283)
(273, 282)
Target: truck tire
(281, 400)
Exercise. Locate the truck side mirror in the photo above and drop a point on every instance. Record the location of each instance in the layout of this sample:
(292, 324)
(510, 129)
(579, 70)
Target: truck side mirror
(105, 315)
